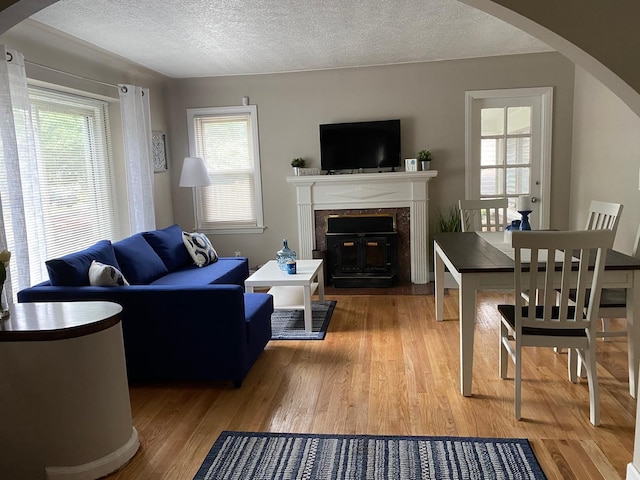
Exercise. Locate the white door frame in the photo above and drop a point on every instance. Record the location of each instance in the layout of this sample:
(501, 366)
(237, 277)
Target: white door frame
(546, 114)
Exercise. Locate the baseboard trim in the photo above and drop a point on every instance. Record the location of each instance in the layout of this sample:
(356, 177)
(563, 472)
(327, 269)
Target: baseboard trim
(100, 467)
(632, 472)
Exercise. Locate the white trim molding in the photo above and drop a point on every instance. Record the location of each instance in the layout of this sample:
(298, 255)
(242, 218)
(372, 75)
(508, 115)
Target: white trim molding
(545, 124)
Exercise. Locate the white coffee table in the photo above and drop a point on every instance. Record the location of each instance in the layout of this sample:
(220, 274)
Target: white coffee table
(291, 291)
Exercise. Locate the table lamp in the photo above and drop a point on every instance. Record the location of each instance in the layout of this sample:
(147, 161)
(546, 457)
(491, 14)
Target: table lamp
(194, 174)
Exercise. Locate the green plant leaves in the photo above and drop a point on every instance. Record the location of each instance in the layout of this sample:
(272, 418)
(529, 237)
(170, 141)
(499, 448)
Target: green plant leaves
(449, 219)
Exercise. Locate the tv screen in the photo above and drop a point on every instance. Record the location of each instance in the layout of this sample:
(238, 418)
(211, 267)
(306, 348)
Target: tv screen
(359, 145)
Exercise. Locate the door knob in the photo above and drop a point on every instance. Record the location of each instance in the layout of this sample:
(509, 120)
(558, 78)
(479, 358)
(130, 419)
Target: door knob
(534, 199)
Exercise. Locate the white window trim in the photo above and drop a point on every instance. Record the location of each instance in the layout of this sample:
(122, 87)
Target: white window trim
(252, 111)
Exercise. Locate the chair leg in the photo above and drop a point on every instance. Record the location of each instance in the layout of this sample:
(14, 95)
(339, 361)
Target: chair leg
(517, 379)
(503, 355)
(605, 324)
(572, 364)
(558, 349)
(594, 390)
(581, 369)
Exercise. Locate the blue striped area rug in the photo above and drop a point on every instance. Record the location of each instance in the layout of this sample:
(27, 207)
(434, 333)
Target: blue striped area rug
(273, 456)
(289, 324)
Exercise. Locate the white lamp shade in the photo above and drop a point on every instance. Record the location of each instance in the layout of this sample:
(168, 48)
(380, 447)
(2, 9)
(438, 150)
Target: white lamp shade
(194, 173)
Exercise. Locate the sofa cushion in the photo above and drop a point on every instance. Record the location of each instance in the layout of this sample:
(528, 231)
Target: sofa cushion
(139, 263)
(200, 248)
(168, 244)
(227, 270)
(73, 270)
(101, 275)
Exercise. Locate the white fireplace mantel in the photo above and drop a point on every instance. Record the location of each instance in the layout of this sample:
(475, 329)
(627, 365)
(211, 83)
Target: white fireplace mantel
(368, 190)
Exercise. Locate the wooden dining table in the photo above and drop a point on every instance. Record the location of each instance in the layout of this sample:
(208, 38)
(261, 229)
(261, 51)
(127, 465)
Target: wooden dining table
(482, 261)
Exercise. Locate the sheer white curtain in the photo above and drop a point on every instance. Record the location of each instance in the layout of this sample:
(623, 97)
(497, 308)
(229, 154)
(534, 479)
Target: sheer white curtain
(136, 127)
(20, 213)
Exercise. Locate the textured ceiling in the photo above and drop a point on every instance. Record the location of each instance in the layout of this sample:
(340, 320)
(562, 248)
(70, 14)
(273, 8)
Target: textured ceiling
(194, 38)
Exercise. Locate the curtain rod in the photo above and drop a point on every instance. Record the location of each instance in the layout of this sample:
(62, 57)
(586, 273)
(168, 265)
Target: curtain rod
(10, 58)
(71, 74)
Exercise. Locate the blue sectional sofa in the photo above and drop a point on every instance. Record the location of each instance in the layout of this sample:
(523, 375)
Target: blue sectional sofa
(180, 321)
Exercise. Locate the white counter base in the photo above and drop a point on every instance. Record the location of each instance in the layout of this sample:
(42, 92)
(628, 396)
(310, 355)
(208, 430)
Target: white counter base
(100, 467)
(64, 392)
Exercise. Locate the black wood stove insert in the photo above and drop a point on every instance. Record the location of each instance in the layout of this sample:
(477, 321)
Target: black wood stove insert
(362, 250)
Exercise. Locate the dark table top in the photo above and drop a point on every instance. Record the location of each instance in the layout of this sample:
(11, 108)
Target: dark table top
(470, 253)
(57, 320)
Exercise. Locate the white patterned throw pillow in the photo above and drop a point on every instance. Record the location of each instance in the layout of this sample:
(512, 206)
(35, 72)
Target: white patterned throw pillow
(199, 248)
(101, 275)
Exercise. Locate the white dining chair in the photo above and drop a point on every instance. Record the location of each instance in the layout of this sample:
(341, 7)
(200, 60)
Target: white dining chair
(613, 303)
(603, 215)
(606, 215)
(549, 320)
(487, 215)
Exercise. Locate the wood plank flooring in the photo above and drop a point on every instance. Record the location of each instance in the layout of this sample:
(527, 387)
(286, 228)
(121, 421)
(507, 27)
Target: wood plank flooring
(387, 367)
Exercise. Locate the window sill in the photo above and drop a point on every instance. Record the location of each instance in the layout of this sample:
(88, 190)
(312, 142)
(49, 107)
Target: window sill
(233, 230)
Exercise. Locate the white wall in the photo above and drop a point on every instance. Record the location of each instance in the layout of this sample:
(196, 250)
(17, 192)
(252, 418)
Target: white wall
(606, 156)
(429, 98)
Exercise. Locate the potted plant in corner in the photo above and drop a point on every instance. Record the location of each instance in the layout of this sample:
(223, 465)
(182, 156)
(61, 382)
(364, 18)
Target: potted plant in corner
(449, 220)
(424, 157)
(298, 163)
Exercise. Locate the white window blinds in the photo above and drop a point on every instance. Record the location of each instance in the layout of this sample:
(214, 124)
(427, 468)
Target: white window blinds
(75, 170)
(227, 141)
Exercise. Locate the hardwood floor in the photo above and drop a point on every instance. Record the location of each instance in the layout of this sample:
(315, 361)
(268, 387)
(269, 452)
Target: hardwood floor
(387, 367)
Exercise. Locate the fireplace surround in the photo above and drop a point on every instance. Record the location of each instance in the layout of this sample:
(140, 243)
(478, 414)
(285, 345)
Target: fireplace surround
(362, 250)
(368, 191)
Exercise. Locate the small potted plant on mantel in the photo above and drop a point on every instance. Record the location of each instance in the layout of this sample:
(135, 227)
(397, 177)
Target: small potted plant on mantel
(424, 157)
(297, 164)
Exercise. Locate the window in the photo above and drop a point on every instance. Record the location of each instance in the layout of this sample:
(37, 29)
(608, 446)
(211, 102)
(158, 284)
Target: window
(75, 191)
(505, 157)
(227, 139)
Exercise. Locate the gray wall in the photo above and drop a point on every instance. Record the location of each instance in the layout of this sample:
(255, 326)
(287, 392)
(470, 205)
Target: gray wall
(606, 156)
(427, 97)
(41, 45)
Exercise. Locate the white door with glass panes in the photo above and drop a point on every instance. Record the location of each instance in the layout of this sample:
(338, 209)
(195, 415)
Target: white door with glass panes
(508, 149)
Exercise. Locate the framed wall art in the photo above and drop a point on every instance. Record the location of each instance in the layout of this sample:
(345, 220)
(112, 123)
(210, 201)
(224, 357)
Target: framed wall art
(159, 153)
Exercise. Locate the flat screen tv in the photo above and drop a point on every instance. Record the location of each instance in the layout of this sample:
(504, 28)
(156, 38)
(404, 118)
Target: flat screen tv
(360, 145)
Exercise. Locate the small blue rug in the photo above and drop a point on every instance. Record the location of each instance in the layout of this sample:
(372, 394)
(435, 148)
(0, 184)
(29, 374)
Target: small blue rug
(289, 324)
(274, 456)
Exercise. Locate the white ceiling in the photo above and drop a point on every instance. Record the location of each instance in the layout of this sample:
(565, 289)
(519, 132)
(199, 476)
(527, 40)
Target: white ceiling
(195, 38)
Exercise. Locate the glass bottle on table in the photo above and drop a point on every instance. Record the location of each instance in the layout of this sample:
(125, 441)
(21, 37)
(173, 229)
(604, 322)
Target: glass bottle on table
(284, 255)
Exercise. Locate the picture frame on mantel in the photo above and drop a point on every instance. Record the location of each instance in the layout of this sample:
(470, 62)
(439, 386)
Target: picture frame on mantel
(159, 152)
